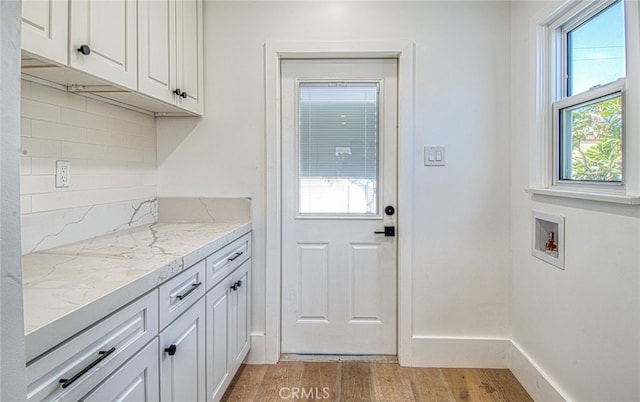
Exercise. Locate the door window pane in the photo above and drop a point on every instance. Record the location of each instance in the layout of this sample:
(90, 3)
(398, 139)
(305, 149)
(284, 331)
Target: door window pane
(338, 148)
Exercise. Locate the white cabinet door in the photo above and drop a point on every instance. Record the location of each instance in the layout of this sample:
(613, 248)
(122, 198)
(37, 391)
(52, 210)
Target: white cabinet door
(45, 28)
(182, 357)
(108, 29)
(189, 37)
(157, 49)
(240, 291)
(218, 308)
(135, 381)
(170, 46)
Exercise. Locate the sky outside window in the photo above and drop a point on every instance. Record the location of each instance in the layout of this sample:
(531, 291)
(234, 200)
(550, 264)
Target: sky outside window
(596, 50)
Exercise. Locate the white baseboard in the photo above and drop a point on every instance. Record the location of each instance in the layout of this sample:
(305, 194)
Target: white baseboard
(428, 351)
(257, 353)
(532, 377)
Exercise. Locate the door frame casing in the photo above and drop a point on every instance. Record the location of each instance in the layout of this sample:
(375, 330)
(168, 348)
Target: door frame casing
(274, 52)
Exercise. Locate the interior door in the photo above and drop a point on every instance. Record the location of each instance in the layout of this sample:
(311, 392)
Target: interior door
(339, 151)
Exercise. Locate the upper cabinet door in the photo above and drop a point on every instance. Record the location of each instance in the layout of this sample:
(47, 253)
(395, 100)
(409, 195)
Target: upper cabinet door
(157, 49)
(103, 40)
(189, 36)
(44, 28)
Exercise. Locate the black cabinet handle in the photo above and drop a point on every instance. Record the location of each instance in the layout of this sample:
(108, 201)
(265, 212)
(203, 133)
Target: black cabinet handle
(84, 49)
(103, 355)
(183, 95)
(236, 255)
(194, 286)
(171, 350)
(178, 92)
(236, 285)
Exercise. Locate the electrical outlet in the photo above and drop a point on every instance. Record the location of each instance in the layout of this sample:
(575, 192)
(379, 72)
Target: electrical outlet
(63, 172)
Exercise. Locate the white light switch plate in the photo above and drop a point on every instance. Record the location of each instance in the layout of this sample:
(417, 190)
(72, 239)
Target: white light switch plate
(434, 155)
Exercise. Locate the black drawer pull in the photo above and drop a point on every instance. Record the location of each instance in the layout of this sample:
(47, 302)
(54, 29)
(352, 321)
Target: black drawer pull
(103, 355)
(194, 286)
(236, 255)
(171, 350)
(239, 283)
(236, 285)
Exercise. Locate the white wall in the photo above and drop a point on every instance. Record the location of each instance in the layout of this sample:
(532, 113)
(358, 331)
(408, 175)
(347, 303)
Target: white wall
(461, 259)
(12, 349)
(580, 326)
(112, 152)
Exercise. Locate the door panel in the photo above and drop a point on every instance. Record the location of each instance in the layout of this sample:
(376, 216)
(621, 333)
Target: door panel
(313, 269)
(339, 144)
(364, 268)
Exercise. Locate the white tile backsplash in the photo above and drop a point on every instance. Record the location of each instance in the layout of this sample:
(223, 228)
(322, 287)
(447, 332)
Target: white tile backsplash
(32, 109)
(39, 147)
(57, 131)
(52, 96)
(112, 152)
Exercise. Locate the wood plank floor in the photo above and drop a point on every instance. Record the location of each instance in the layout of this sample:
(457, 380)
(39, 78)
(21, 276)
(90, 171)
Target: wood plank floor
(348, 381)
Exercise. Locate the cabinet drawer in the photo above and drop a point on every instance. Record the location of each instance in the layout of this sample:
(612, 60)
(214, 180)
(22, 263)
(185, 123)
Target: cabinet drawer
(177, 294)
(137, 380)
(222, 262)
(82, 362)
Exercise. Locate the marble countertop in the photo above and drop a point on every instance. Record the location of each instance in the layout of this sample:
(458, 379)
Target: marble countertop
(70, 287)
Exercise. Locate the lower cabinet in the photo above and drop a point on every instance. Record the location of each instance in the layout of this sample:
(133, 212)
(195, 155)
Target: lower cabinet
(135, 381)
(76, 367)
(218, 319)
(182, 357)
(240, 341)
(227, 329)
(173, 344)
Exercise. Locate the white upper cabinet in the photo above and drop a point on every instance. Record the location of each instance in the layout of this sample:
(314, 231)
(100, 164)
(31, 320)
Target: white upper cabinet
(156, 45)
(44, 28)
(103, 40)
(171, 51)
(145, 54)
(189, 36)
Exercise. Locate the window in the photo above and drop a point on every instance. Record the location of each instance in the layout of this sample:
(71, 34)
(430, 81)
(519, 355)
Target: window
(338, 148)
(585, 45)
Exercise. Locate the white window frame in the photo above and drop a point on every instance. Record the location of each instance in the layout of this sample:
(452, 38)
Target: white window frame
(551, 87)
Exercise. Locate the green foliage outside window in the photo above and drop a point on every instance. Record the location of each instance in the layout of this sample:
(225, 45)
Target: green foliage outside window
(597, 141)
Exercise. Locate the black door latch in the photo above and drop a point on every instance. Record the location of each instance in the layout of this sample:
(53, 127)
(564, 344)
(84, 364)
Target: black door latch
(389, 231)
